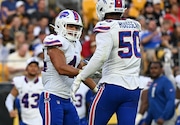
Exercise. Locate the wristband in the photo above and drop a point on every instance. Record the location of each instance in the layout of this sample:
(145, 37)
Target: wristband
(80, 71)
(95, 90)
(138, 118)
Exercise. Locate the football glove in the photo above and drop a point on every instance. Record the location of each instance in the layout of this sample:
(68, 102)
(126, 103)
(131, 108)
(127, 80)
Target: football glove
(138, 118)
(75, 86)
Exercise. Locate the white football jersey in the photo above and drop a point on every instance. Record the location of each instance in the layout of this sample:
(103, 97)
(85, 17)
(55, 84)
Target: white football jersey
(29, 94)
(145, 82)
(117, 52)
(80, 103)
(53, 82)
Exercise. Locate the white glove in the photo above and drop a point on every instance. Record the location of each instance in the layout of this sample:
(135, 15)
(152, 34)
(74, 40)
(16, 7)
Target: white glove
(138, 118)
(75, 86)
(73, 96)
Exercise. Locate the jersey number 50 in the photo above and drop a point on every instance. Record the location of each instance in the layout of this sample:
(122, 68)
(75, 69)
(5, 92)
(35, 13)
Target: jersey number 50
(131, 46)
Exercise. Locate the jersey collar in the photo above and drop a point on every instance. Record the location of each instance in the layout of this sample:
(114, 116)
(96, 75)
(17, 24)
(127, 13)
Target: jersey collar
(35, 80)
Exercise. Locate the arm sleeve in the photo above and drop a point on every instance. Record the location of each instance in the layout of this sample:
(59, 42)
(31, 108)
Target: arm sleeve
(104, 46)
(9, 102)
(169, 92)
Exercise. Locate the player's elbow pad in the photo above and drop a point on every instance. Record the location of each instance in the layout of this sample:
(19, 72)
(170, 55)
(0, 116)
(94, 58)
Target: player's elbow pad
(9, 102)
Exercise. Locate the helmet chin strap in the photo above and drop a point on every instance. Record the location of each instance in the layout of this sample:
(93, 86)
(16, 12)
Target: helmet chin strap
(70, 40)
(52, 26)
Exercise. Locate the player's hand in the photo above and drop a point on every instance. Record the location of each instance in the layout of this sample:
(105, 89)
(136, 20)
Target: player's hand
(138, 118)
(75, 86)
(13, 113)
(160, 121)
(73, 96)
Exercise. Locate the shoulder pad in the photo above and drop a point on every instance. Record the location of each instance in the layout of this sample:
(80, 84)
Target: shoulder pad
(17, 81)
(103, 26)
(52, 40)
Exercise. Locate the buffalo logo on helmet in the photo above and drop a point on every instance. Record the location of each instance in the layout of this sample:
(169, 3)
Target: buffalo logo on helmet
(76, 17)
(64, 14)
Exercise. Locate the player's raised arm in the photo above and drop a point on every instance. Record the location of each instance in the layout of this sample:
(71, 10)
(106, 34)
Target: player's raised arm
(62, 56)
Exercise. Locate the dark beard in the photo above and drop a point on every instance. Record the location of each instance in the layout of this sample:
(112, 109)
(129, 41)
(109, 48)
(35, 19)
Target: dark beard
(32, 75)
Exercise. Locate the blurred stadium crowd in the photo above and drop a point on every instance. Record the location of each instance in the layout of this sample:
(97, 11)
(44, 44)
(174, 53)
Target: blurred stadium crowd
(24, 24)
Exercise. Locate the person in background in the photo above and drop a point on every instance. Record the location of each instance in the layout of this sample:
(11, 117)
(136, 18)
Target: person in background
(158, 11)
(16, 61)
(84, 97)
(42, 26)
(27, 88)
(9, 7)
(86, 45)
(20, 9)
(62, 62)
(173, 16)
(150, 41)
(118, 54)
(38, 52)
(30, 33)
(161, 98)
(175, 45)
(39, 39)
(19, 38)
(42, 10)
(8, 41)
(30, 7)
(4, 51)
(148, 11)
(143, 102)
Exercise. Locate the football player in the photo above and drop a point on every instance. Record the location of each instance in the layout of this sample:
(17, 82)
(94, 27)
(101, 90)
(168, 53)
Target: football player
(84, 97)
(28, 89)
(62, 60)
(118, 53)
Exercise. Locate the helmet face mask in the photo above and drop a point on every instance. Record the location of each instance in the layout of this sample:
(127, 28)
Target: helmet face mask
(74, 33)
(109, 6)
(65, 18)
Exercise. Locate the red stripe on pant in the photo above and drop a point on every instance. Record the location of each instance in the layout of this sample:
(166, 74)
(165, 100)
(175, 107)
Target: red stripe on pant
(47, 109)
(93, 106)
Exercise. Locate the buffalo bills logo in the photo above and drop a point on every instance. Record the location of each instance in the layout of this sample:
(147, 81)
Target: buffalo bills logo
(46, 100)
(63, 14)
(76, 17)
